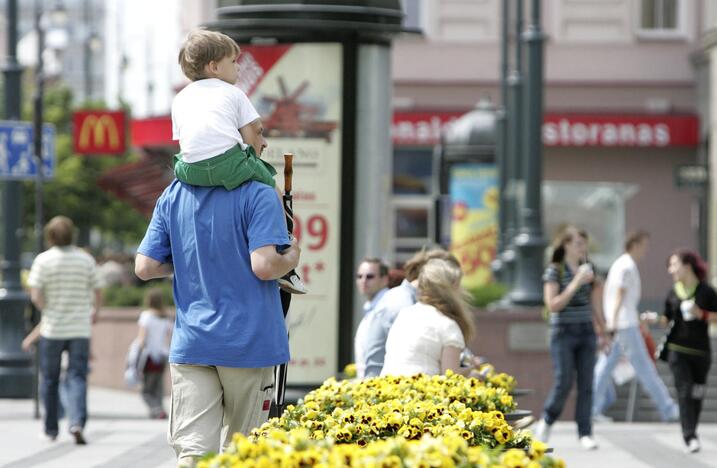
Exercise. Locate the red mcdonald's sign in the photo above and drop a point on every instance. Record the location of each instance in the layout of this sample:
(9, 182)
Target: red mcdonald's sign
(98, 132)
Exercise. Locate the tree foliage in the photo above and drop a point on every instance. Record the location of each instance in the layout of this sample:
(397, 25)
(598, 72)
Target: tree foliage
(74, 191)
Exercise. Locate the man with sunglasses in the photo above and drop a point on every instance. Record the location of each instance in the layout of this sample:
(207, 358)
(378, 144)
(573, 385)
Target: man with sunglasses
(372, 283)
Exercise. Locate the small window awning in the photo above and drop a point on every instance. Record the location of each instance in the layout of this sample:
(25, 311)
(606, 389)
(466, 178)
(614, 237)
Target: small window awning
(141, 183)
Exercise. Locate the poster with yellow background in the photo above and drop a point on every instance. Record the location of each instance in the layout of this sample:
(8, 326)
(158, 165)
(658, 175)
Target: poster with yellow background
(474, 223)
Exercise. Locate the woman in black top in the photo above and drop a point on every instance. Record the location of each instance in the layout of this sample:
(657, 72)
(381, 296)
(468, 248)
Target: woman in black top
(686, 308)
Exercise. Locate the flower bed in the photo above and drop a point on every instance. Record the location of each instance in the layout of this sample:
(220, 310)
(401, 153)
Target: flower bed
(441, 420)
(296, 449)
(366, 410)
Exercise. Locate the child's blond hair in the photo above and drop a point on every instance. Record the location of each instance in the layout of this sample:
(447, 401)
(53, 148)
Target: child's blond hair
(203, 47)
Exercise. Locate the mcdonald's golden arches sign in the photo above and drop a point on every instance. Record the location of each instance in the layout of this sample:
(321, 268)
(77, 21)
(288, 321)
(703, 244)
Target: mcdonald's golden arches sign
(98, 132)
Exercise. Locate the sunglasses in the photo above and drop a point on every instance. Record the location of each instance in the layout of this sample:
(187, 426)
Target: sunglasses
(368, 276)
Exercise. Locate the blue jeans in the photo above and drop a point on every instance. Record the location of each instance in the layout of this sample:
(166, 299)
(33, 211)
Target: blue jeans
(50, 362)
(572, 347)
(610, 396)
(629, 342)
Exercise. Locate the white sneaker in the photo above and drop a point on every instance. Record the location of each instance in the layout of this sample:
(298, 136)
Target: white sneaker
(541, 431)
(292, 283)
(601, 418)
(588, 443)
(46, 437)
(693, 446)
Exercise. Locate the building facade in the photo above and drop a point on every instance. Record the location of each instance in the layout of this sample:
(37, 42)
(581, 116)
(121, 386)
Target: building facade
(621, 117)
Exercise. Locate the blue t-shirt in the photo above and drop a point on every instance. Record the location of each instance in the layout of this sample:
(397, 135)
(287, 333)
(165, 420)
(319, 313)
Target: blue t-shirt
(226, 316)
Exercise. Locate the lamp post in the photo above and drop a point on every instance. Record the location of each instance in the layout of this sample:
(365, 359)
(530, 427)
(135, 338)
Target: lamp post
(501, 143)
(513, 151)
(530, 242)
(16, 373)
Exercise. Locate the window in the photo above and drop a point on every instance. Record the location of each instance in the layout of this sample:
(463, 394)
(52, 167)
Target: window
(412, 171)
(659, 15)
(412, 14)
(411, 223)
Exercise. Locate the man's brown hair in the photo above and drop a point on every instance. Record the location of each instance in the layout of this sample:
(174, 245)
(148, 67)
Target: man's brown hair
(635, 238)
(203, 47)
(59, 231)
(413, 266)
(382, 267)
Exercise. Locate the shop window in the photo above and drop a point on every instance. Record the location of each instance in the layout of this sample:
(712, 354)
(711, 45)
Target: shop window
(659, 15)
(411, 223)
(412, 171)
(598, 207)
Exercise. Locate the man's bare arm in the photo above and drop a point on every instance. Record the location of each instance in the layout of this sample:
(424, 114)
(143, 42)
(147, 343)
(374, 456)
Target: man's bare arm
(37, 298)
(147, 268)
(618, 305)
(268, 264)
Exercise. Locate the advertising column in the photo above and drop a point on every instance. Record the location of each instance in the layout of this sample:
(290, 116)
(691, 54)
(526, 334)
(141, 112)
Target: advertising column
(474, 228)
(296, 88)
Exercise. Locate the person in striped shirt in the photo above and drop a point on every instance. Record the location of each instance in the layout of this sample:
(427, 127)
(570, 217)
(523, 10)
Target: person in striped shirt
(65, 287)
(569, 283)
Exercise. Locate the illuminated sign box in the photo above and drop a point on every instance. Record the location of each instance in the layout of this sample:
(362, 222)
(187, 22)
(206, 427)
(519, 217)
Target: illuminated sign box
(97, 132)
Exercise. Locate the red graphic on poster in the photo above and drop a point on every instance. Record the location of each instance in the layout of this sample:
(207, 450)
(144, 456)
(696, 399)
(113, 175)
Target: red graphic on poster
(291, 118)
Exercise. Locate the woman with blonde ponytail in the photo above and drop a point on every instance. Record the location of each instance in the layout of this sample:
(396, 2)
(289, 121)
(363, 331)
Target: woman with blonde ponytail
(428, 337)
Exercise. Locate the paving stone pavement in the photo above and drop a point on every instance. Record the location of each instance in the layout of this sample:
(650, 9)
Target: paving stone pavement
(120, 435)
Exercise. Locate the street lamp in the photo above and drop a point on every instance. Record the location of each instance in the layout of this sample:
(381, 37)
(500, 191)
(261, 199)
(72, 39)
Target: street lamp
(529, 242)
(57, 17)
(15, 365)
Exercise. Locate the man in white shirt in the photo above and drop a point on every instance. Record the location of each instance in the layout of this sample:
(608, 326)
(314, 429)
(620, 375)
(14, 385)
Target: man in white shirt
(372, 283)
(620, 304)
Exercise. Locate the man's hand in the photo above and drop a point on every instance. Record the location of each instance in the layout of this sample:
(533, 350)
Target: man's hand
(27, 344)
(605, 340)
(294, 251)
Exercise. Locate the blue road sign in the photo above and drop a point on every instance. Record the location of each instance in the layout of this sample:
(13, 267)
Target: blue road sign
(16, 151)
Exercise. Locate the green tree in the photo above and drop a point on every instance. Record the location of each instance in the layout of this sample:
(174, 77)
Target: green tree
(74, 191)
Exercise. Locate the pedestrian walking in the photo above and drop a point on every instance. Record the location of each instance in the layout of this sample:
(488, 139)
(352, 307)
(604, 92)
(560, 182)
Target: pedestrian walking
(229, 332)
(621, 298)
(155, 331)
(64, 286)
(429, 336)
(690, 303)
(570, 294)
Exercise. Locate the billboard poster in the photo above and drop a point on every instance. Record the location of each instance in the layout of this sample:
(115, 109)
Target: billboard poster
(474, 226)
(297, 90)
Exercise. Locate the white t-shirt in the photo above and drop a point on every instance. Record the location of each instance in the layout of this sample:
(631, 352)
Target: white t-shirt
(157, 330)
(623, 274)
(416, 341)
(206, 118)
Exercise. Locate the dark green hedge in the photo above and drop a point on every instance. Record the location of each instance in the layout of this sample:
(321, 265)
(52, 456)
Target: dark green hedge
(133, 296)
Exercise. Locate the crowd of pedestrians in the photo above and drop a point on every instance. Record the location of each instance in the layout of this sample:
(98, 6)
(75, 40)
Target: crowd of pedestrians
(581, 326)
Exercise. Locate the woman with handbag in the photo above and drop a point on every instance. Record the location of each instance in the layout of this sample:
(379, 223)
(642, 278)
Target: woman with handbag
(688, 344)
(571, 297)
